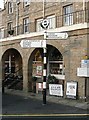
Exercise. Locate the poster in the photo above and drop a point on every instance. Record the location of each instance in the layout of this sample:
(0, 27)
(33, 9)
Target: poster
(56, 89)
(71, 90)
(37, 69)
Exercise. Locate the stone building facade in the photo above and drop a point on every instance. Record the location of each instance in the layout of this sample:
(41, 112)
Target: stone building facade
(21, 21)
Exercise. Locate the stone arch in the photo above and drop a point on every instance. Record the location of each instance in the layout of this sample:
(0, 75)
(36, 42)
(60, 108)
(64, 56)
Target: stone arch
(35, 51)
(11, 65)
(4, 49)
(57, 45)
(54, 55)
(50, 48)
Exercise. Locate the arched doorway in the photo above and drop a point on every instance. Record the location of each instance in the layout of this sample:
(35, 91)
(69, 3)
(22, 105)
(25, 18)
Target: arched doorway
(35, 67)
(55, 60)
(55, 64)
(12, 69)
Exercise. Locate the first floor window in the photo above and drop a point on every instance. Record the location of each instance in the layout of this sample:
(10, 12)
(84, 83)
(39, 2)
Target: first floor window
(68, 15)
(38, 26)
(52, 23)
(1, 33)
(10, 29)
(10, 7)
(26, 25)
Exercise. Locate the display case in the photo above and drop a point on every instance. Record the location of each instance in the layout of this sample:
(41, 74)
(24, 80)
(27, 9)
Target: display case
(56, 67)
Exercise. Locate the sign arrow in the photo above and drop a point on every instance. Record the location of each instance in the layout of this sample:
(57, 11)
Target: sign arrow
(33, 43)
(56, 35)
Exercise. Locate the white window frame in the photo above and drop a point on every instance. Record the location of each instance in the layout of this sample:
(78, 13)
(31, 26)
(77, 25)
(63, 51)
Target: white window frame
(52, 23)
(26, 25)
(10, 7)
(1, 33)
(68, 15)
(38, 27)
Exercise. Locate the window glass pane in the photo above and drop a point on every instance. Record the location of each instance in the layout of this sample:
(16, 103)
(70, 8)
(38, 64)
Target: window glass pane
(10, 7)
(26, 25)
(2, 33)
(38, 27)
(68, 15)
(51, 22)
(26, 28)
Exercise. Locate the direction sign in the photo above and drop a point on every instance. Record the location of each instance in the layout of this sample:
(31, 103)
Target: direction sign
(56, 35)
(44, 24)
(33, 43)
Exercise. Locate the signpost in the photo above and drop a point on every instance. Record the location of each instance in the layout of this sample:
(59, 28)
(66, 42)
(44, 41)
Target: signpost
(56, 35)
(42, 44)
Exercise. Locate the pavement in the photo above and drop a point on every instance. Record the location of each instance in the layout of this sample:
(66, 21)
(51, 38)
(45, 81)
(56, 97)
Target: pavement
(55, 99)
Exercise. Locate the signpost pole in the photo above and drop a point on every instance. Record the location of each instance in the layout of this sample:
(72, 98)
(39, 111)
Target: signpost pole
(45, 64)
(44, 75)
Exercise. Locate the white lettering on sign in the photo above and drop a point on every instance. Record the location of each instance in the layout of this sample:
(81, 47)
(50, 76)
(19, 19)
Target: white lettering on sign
(33, 43)
(56, 35)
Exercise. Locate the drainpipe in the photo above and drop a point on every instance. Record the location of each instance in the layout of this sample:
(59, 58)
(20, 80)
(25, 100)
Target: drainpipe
(17, 17)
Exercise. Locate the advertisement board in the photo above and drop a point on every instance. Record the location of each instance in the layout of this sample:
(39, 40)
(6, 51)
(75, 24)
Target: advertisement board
(56, 89)
(71, 90)
(37, 69)
(83, 72)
